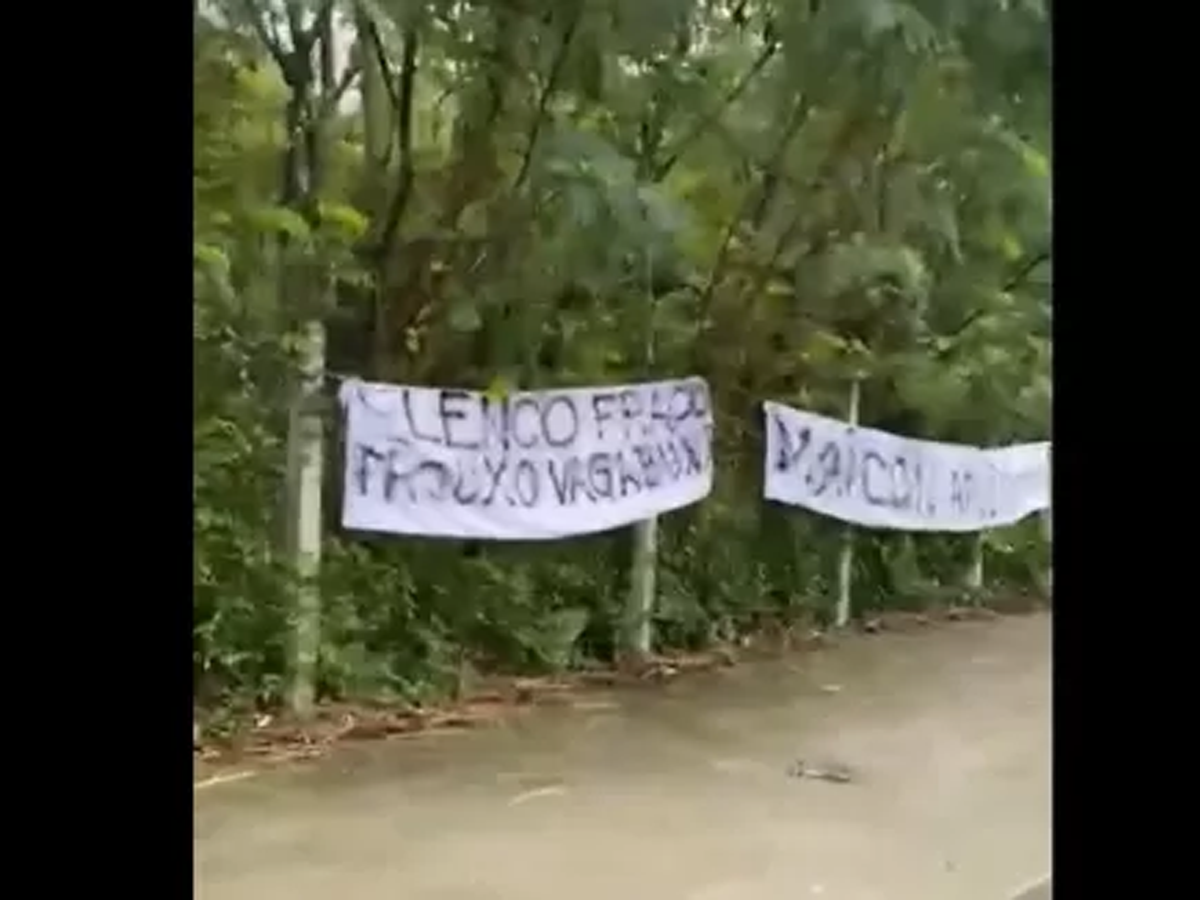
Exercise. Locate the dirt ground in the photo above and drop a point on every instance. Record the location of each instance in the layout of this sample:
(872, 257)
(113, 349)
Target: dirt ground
(683, 791)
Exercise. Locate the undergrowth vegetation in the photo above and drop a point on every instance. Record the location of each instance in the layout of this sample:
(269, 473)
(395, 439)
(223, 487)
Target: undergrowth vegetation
(780, 195)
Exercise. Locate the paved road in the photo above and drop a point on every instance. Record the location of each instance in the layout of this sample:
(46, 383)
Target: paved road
(681, 792)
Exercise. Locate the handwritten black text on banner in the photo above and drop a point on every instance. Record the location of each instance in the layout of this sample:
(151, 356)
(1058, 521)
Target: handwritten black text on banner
(535, 465)
(880, 480)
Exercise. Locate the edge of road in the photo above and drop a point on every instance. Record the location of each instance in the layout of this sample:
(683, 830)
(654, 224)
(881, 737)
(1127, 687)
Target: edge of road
(226, 773)
(1040, 888)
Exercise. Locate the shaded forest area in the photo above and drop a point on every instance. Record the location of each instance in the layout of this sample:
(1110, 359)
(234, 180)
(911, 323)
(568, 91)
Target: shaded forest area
(781, 196)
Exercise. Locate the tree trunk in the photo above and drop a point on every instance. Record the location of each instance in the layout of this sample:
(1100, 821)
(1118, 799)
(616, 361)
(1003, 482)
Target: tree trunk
(973, 579)
(639, 613)
(305, 473)
(846, 556)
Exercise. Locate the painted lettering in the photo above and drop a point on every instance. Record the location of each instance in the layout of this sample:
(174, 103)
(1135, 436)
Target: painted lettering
(560, 421)
(532, 451)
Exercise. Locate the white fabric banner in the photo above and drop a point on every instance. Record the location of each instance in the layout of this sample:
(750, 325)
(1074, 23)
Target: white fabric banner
(879, 480)
(530, 466)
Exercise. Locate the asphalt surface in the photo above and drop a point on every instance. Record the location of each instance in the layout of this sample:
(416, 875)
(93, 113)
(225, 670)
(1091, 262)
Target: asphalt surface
(684, 792)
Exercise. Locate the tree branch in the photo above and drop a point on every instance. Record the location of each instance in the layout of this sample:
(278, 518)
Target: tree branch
(1015, 281)
(383, 79)
(786, 237)
(333, 98)
(376, 40)
(476, 145)
(770, 184)
(749, 159)
(301, 38)
(705, 122)
(404, 109)
(270, 41)
(323, 34)
(292, 11)
(320, 35)
(1026, 269)
(552, 80)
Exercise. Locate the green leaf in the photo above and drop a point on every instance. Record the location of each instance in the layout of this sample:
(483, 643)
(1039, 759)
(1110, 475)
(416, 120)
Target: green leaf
(464, 317)
(279, 220)
(555, 640)
(346, 219)
(210, 257)
(499, 388)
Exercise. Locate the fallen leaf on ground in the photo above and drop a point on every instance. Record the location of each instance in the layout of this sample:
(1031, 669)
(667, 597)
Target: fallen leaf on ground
(222, 779)
(555, 791)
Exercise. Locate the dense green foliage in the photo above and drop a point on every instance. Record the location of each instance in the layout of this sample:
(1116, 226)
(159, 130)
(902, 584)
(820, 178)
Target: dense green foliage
(785, 194)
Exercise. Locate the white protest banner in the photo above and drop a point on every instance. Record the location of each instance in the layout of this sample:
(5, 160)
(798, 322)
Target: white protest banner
(1025, 473)
(529, 466)
(880, 480)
